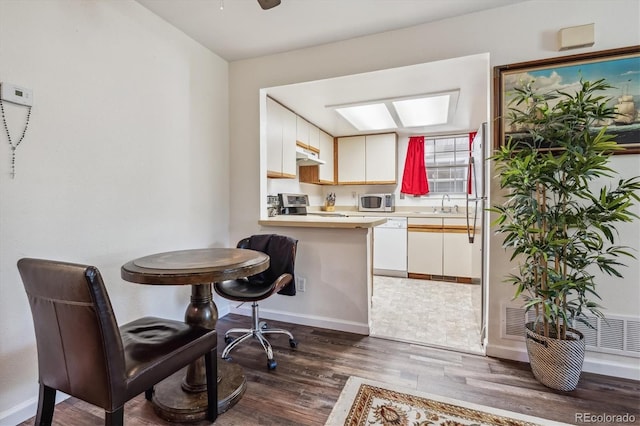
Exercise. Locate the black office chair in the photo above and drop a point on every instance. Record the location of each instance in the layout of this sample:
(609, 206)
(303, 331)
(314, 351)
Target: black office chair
(278, 278)
(83, 353)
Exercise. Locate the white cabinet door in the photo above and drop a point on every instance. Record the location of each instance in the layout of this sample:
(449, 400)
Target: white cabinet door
(281, 141)
(424, 252)
(274, 139)
(458, 252)
(288, 143)
(370, 159)
(351, 160)
(326, 170)
(302, 131)
(314, 138)
(381, 159)
(424, 246)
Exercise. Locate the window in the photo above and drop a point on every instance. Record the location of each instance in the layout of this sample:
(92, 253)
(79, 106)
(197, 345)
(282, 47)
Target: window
(447, 159)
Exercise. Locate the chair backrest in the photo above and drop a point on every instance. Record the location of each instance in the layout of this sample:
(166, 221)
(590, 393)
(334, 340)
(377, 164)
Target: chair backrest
(282, 256)
(79, 346)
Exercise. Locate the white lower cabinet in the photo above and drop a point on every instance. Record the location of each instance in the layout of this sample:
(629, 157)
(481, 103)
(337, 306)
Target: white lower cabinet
(457, 254)
(424, 246)
(441, 247)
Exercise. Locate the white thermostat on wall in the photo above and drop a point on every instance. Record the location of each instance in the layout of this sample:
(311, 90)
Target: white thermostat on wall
(16, 94)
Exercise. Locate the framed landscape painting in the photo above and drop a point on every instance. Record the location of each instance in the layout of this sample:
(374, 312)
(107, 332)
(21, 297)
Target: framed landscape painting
(619, 67)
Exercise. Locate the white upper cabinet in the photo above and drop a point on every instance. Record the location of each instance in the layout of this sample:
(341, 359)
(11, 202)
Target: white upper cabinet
(370, 159)
(289, 144)
(302, 132)
(381, 159)
(314, 139)
(307, 135)
(326, 170)
(274, 139)
(281, 141)
(351, 160)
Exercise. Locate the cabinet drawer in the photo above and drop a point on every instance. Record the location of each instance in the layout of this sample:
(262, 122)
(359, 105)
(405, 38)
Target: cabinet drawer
(424, 223)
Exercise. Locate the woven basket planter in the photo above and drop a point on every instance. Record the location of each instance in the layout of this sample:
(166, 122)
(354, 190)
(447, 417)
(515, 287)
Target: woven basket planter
(556, 363)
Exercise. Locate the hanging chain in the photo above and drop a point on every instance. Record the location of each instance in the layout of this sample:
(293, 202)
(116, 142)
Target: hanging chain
(14, 147)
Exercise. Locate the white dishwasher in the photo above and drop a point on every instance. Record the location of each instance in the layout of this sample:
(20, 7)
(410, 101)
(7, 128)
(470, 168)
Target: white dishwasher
(390, 247)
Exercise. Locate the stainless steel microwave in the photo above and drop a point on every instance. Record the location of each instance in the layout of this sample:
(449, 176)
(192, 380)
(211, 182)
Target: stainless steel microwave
(376, 203)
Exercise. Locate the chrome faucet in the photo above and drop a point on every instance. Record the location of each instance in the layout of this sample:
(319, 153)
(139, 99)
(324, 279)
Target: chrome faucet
(442, 204)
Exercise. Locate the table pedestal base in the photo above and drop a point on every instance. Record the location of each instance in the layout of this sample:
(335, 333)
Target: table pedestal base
(173, 404)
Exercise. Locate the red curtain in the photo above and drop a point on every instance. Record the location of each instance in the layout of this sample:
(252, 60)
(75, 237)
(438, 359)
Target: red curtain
(414, 179)
(472, 136)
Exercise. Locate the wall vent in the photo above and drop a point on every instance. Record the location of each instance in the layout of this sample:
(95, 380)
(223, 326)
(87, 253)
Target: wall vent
(616, 334)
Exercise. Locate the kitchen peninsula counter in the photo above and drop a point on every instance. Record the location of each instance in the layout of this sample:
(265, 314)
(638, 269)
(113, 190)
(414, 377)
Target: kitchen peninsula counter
(313, 221)
(333, 272)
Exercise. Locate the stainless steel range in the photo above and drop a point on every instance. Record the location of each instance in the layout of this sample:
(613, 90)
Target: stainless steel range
(293, 204)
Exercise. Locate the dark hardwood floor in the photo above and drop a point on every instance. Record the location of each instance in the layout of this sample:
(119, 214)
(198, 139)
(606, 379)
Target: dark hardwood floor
(304, 387)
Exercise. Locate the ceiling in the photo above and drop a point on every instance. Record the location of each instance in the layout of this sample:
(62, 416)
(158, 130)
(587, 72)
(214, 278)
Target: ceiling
(241, 30)
(469, 75)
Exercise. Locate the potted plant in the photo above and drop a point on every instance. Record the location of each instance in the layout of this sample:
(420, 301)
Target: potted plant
(559, 227)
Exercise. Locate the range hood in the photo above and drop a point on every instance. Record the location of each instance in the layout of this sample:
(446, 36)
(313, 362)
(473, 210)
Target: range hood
(305, 157)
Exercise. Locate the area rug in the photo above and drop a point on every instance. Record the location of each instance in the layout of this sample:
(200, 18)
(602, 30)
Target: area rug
(366, 402)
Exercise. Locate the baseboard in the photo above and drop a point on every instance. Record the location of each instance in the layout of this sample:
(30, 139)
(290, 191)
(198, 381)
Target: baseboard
(390, 273)
(308, 320)
(612, 368)
(596, 366)
(26, 410)
(223, 309)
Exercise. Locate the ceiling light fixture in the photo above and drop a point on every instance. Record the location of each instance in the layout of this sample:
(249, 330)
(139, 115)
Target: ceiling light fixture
(368, 117)
(423, 110)
(426, 111)
(268, 4)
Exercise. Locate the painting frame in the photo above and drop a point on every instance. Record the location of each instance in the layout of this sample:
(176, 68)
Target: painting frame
(553, 70)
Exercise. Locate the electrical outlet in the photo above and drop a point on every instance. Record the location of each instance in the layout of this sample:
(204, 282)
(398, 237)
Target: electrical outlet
(353, 195)
(16, 94)
(301, 284)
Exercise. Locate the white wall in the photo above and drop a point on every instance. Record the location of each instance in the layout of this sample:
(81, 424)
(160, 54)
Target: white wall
(336, 265)
(521, 32)
(126, 155)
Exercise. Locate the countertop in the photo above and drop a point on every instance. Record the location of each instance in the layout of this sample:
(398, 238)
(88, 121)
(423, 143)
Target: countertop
(348, 217)
(314, 221)
(399, 212)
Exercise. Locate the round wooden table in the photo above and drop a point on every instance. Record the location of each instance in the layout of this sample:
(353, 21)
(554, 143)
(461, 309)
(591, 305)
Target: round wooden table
(182, 397)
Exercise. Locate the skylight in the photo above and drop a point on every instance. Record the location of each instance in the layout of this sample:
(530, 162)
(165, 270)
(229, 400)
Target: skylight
(416, 111)
(423, 111)
(368, 117)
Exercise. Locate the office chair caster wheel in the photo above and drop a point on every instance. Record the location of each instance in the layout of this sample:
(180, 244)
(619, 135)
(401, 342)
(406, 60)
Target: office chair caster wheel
(262, 325)
(293, 343)
(271, 364)
(228, 339)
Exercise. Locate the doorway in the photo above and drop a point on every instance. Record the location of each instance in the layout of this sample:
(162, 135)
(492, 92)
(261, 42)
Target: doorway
(432, 313)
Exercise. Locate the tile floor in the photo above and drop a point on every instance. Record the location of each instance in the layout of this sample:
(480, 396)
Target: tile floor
(428, 312)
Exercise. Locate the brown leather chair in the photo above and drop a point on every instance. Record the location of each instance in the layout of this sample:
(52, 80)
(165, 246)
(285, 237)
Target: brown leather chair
(278, 278)
(83, 353)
